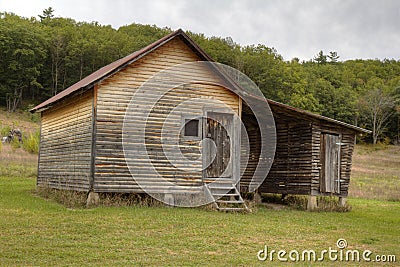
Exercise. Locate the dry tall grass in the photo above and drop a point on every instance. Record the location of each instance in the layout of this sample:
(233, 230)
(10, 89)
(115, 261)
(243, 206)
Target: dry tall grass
(376, 172)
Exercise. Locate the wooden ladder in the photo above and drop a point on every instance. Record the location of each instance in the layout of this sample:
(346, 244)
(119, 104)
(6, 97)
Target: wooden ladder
(225, 196)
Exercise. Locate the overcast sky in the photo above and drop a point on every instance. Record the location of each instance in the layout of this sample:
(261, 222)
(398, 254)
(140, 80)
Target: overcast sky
(296, 28)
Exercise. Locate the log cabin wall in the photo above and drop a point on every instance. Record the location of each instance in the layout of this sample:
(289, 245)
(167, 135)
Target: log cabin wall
(65, 144)
(297, 166)
(292, 169)
(111, 173)
(250, 157)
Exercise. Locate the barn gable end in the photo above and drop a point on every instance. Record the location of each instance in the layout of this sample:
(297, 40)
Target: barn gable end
(113, 95)
(81, 140)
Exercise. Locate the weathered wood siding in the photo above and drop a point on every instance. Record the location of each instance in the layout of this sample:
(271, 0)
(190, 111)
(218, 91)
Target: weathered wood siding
(111, 171)
(250, 154)
(297, 167)
(347, 139)
(291, 171)
(65, 144)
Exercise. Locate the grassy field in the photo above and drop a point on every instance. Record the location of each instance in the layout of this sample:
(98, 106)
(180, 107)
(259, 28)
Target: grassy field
(376, 172)
(35, 231)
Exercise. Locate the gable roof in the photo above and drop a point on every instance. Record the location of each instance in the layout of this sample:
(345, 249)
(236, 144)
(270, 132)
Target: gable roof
(115, 66)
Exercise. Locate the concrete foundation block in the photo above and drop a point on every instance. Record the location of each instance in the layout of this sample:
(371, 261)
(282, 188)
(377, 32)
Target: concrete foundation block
(169, 200)
(312, 203)
(93, 199)
(257, 198)
(342, 201)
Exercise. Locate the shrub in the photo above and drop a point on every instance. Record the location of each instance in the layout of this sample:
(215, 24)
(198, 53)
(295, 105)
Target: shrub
(31, 143)
(34, 117)
(15, 144)
(5, 130)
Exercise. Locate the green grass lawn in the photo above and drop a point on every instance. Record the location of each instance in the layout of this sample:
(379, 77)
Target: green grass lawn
(35, 231)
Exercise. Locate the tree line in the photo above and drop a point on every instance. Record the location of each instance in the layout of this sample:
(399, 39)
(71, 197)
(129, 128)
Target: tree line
(42, 56)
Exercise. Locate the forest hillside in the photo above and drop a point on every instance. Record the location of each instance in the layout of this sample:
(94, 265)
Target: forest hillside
(42, 56)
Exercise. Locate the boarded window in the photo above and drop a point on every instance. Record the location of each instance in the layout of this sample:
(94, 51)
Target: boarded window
(330, 163)
(191, 127)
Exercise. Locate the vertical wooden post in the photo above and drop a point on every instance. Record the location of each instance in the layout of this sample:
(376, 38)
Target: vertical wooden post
(312, 203)
(40, 145)
(93, 145)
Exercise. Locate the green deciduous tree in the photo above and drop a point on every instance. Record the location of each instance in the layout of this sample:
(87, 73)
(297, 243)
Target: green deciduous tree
(22, 54)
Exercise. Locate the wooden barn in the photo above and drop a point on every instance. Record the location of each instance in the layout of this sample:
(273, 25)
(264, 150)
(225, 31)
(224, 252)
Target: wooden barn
(81, 145)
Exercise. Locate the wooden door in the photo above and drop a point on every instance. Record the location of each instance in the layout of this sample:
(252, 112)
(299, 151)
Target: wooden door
(218, 149)
(330, 163)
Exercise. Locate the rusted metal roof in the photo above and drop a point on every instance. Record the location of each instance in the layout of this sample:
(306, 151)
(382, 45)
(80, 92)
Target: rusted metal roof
(114, 67)
(117, 65)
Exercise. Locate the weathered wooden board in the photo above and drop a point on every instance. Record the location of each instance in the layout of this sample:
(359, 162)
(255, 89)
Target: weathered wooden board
(65, 145)
(330, 169)
(219, 130)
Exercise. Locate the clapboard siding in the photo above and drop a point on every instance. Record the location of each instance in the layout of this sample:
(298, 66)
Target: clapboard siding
(65, 144)
(291, 170)
(114, 94)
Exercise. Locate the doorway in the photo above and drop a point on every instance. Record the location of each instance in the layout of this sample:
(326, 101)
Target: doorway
(330, 163)
(219, 147)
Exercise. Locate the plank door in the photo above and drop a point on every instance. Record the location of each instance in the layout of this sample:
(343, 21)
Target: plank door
(218, 149)
(330, 163)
